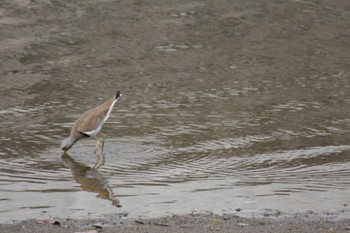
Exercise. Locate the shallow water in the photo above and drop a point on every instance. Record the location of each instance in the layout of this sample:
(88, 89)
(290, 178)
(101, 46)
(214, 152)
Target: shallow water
(215, 132)
(178, 156)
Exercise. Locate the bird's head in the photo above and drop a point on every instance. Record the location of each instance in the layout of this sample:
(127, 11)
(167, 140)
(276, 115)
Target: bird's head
(67, 144)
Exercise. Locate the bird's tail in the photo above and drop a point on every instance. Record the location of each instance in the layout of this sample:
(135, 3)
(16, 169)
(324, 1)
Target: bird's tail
(118, 95)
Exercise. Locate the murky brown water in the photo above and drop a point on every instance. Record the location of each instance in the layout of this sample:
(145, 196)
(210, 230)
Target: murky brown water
(226, 107)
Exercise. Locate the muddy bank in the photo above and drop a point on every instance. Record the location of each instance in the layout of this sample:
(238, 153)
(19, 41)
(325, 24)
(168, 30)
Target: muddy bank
(185, 223)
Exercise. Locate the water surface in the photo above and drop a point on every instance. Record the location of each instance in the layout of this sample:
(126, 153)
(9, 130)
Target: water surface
(222, 110)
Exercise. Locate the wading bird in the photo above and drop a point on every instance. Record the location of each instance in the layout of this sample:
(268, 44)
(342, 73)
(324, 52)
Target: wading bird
(90, 123)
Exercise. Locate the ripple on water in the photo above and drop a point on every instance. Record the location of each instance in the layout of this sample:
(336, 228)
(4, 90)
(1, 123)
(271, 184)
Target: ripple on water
(139, 171)
(294, 106)
(173, 47)
(190, 155)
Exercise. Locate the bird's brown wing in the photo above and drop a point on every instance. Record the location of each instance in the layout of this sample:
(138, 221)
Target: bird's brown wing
(89, 120)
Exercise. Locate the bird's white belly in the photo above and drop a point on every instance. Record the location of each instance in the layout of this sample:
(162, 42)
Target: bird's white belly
(95, 131)
(99, 127)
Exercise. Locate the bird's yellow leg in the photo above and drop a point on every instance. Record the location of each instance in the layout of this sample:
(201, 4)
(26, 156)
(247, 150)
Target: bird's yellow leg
(97, 156)
(100, 160)
(97, 143)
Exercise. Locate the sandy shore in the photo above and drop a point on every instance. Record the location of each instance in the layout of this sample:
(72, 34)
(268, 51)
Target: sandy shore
(184, 223)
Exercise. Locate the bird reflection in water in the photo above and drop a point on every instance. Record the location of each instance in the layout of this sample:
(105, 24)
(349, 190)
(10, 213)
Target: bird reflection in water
(90, 179)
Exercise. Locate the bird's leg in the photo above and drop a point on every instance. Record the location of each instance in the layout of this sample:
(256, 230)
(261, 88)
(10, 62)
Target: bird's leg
(97, 143)
(97, 156)
(100, 160)
(103, 141)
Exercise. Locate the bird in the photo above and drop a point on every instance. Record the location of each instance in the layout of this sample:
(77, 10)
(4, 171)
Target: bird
(90, 123)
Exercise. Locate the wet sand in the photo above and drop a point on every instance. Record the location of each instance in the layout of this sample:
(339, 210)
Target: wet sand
(186, 223)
